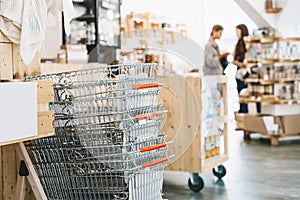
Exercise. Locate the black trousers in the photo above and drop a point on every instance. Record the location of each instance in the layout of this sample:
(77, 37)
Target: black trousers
(241, 85)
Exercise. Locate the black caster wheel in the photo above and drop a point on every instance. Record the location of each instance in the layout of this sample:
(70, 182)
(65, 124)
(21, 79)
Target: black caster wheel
(196, 183)
(219, 171)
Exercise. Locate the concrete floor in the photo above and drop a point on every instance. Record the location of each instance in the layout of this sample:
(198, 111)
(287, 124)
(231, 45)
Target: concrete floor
(255, 171)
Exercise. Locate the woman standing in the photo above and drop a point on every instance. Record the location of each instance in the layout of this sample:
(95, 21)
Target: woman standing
(212, 57)
(239, 56)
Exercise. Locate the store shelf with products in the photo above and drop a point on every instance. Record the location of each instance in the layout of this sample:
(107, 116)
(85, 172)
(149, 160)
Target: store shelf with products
(278, 91)
(97, 26)
(280, 102)
(272, 49)
(150, 21)
(275, 85)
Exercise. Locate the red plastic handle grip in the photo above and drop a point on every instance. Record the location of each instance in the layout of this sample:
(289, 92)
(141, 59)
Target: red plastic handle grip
(145, 116)
(155, 162)
(144, 86)
(151, 148)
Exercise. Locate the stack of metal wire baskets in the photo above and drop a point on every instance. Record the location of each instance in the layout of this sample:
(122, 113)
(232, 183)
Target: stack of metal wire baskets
(109, 143)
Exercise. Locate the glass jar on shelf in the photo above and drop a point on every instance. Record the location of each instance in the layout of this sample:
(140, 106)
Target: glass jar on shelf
(296, 92)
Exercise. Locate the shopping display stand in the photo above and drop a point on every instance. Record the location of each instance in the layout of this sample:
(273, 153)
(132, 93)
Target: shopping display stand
(187, 107)
(15, 158)
(282, 108)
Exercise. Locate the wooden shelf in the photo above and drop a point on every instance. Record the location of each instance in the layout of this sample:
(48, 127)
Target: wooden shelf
(273, 60)
(252, 61)
(296, 39)
(264, 39)
(252, 80)
(274, 138)
(267, 101)
(270, 82)
(273, 10)
(270, 39)
(249, 100)
(261, 81)
(278, 60)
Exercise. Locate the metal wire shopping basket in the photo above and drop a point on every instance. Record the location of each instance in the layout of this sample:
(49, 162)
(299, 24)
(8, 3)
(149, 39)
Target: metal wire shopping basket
(108, 143)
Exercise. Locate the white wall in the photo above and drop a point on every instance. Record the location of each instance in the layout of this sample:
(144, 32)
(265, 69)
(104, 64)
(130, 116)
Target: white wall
(288, 22)
(229, 15)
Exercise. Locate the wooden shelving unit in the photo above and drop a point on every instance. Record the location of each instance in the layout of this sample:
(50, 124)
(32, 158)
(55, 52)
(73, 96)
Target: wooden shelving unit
(185, 122)
(272, 105)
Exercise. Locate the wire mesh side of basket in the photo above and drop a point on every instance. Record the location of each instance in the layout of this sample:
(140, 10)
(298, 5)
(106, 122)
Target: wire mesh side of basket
(108, 123)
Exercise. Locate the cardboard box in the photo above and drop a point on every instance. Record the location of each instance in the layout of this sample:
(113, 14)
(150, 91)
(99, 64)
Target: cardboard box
(264, 124)
(280, 109)
(290, 124)
(255, 123)
(240, 119)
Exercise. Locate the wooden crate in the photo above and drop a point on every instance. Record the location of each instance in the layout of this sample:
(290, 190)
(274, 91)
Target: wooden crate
(181, 96)
(11, 63)
(9, 153)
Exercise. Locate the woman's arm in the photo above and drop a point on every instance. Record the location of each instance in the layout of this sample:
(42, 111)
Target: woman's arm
(239, 64)
(223, 55)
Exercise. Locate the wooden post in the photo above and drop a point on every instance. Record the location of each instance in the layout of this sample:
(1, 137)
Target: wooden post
(33, 178)
(6, 72)
(9, 172)
(274, 141)
(246, 135)
(21, 188)
(225, 101)
(6, 61)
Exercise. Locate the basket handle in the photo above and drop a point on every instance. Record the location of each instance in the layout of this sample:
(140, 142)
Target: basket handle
(155, 162)
(151, 148)
(148, 115)
(144, 86)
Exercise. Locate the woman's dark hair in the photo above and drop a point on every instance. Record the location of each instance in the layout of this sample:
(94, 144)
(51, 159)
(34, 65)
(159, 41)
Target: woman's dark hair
(243, 29)
(216, 27)
(241, 50)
